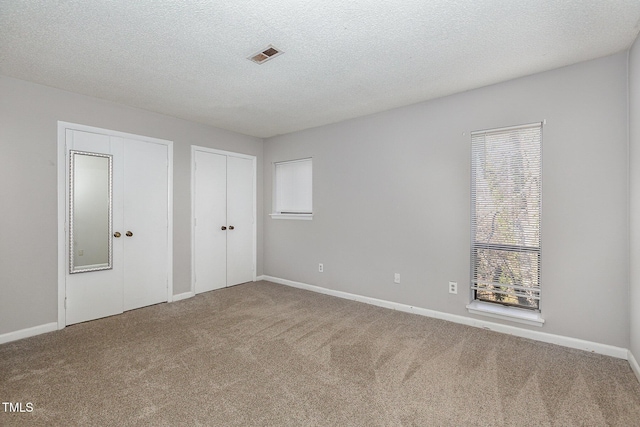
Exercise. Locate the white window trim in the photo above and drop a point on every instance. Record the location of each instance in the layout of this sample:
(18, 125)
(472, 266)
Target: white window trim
(495, 309)
(513, 314)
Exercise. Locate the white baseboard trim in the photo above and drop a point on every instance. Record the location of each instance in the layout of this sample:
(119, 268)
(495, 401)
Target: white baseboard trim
(605, 349)
(259, 278)
(634, 364)
(183, 295)
(28, 332)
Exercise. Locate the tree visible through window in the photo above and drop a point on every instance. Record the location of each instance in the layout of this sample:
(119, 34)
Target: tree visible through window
(506, 201)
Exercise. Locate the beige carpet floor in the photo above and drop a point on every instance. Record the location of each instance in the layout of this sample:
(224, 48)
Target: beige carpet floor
(269, 355)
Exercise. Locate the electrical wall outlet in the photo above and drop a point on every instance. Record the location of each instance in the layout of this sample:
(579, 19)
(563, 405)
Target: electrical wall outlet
(396, 278)
(453, 287)
(320, 268)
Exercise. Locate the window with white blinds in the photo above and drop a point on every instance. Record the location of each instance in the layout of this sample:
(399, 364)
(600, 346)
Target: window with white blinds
(293, 187)
(506, 202)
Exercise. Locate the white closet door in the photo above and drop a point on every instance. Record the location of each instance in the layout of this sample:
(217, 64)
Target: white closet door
(240, 195)
(210, 252)
(139, 276)
(97, 294)
(145, 217)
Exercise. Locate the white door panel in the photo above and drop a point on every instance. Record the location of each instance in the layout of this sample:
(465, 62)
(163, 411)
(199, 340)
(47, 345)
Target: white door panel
(145, 216)
(240, 217)
(96, 294)
(210, 257)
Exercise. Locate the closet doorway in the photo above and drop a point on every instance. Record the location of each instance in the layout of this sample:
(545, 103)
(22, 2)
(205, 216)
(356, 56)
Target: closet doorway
(223, 218)
(115, 206)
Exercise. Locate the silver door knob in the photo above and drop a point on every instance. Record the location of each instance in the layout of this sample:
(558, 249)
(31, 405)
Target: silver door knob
(129, 234)
(117, 234)
(223, 228)
(231, 227)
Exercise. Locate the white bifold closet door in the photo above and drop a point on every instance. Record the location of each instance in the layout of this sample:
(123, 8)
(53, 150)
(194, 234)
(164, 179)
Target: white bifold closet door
(139, 276)
(223, 220)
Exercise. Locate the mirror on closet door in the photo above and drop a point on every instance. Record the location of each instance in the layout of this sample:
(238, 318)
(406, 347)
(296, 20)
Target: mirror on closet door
(90, 211)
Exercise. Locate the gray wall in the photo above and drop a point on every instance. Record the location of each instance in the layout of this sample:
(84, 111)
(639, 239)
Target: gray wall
(634, 161)
(391, 194)
(28, 172)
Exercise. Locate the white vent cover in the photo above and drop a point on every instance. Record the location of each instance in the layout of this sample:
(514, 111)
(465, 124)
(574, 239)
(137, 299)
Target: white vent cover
(265, 54)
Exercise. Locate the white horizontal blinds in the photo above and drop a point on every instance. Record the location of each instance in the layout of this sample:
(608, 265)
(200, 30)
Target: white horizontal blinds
(506, 171)
(293, 187)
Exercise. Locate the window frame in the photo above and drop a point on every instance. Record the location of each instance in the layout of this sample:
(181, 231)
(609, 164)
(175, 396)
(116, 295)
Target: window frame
(497, 308)
(276, 214)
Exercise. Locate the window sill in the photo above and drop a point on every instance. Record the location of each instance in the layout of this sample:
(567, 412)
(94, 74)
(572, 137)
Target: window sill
(292, 216)
(512, 314)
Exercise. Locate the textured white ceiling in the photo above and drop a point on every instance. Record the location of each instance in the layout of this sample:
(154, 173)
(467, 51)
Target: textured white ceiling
(342, 59)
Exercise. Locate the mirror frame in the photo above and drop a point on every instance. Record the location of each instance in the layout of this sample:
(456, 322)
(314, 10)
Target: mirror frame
(109, 265)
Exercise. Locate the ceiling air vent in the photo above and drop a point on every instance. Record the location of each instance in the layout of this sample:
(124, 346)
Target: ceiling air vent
(265, 54)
